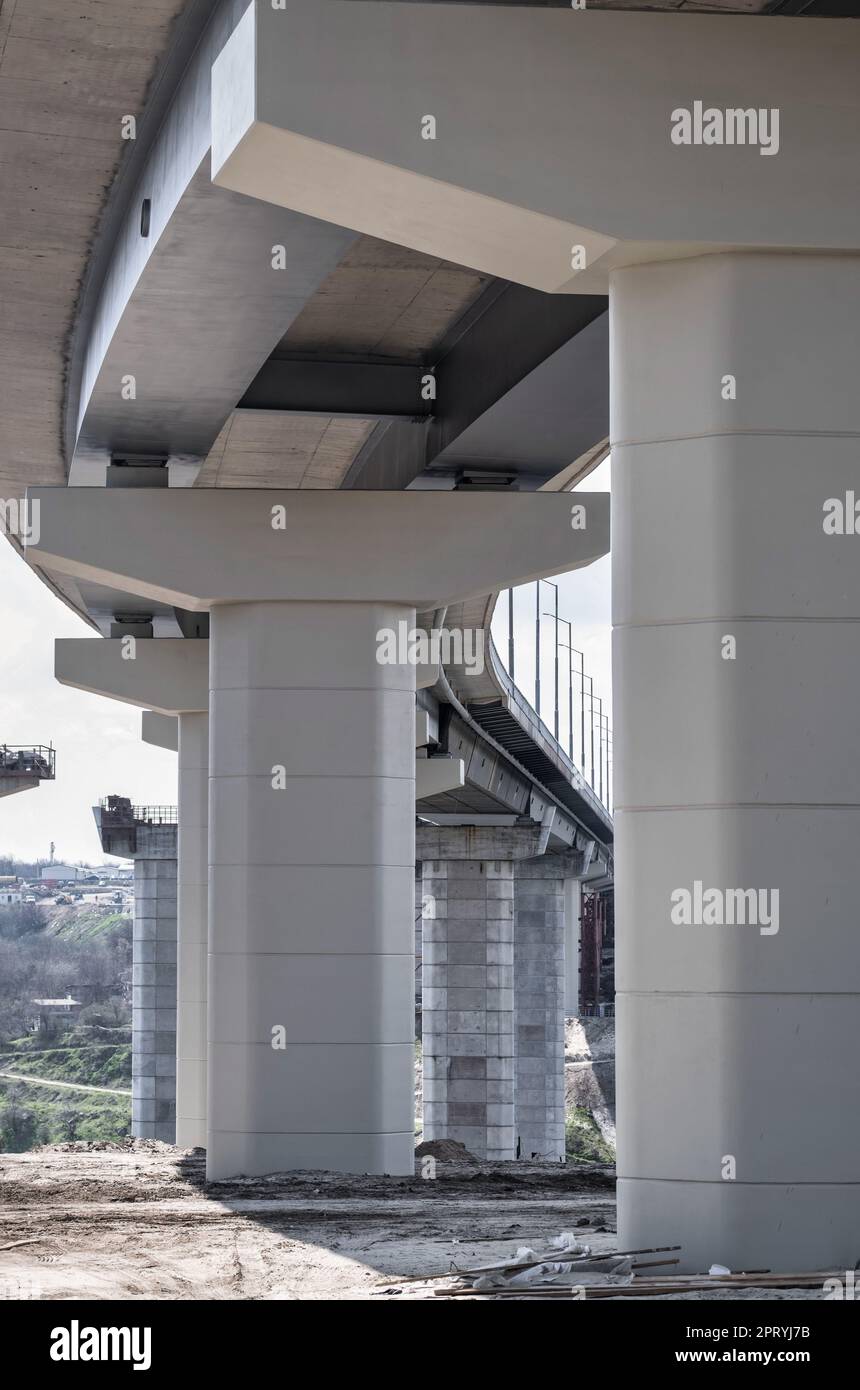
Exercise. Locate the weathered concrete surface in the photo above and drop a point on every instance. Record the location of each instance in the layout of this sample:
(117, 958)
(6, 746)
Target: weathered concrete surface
(539, 1007)
(68, 74)
(153, 1018)
(468, 1005)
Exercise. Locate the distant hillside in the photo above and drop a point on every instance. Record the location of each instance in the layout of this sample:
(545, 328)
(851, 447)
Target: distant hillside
(92, 1064)
(31, 1115)
(85, 921)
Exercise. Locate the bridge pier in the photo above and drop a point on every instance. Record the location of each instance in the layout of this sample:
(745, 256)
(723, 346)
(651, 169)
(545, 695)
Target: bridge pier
(736, 606)
(312, 855)
(539, 980)
(193, 875)
(153, 1018)
(468, 1003)
(493, 990)
(169, 678)
(311, 698)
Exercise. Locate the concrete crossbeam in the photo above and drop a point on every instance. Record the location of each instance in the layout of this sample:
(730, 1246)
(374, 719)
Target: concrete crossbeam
(196, 548)
(432, 153)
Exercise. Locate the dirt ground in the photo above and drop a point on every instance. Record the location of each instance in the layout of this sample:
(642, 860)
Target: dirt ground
(137, 1221)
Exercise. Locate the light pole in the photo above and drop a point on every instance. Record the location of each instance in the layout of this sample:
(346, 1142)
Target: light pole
(537, 647)
(557, 620)
(605, 718)
(582, 679)
(511, 633)
(571, 649)
(596, 700)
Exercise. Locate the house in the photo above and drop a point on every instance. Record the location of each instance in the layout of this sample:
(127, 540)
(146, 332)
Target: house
(11, 893)
(53, 1015)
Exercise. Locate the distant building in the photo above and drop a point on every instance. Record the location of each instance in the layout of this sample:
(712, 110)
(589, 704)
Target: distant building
(53, 1015)
(61, 873)
(11, 892)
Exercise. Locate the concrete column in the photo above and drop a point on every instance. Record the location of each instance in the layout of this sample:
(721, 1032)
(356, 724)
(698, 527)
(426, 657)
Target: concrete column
(736, 593)
(419, 947)
(539, 1008)
(311, 901)
(193, 872)
(153, 1018)
(468, 1004)
(572, 920)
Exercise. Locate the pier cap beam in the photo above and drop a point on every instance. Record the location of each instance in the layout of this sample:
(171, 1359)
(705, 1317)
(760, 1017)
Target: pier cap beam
(488, 188)
(197, 549)
(160, 730)
(166, 675)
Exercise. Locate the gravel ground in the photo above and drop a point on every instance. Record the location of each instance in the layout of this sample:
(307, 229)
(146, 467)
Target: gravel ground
(137, 1220)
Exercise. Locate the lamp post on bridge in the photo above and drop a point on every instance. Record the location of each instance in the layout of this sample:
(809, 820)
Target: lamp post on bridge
(596, 700)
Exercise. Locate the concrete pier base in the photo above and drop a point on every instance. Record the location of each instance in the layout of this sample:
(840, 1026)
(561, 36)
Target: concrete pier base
(539, 977)
(468, 1004)
(153, 1075)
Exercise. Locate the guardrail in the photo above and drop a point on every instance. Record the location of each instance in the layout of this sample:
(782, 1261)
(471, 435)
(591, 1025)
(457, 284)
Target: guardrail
(588, 731)
(117, 810)
(28, 760)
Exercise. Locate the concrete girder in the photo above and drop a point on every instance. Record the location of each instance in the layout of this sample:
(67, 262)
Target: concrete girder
(514, 196)
(192, 309)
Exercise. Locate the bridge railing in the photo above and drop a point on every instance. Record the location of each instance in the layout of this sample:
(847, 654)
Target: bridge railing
(577, 719)
(117, 810)
(28, 760)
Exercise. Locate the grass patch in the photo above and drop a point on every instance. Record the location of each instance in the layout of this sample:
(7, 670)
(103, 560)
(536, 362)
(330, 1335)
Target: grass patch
(90, 1065)
(583, 1141)
(33, 1115)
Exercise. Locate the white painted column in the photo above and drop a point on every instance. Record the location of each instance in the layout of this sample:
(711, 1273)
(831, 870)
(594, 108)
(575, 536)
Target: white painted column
(735, 418)
(192, 930)
(572, 920)
(311, 891)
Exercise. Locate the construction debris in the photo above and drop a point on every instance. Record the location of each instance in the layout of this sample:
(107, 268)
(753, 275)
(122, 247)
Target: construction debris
(613, 1274)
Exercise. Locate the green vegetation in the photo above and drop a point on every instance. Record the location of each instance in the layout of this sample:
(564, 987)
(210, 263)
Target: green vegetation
(90, 1064)
(583, 1140)
(33, 1115)
(84, 952)
(89, 923)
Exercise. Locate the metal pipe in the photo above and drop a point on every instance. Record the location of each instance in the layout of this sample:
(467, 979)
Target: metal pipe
(537, 648)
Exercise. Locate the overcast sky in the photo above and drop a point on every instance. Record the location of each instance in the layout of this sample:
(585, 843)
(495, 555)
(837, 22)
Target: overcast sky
(98, 744)
(97, 741)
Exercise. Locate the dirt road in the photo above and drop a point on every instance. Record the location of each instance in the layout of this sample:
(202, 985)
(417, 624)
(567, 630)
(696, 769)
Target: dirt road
(63, 1085)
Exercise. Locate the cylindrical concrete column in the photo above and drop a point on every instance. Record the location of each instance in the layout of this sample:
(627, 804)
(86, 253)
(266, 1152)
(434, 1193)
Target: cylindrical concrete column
(192, 930)
(153, 1008)
(539, 1008)
(572, 918)
(311, 891)
(467, 1014)
(736, 592)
